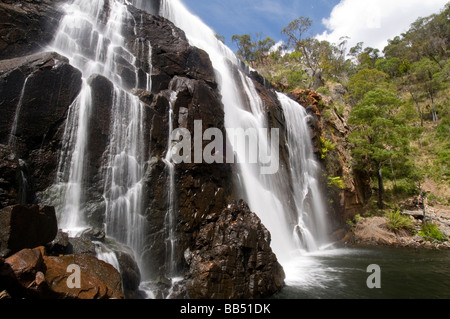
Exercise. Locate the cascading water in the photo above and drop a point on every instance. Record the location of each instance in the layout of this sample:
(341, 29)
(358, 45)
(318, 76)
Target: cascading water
(170, 215)
(72, 165)
(267, 195)
(90, 35)
(12, 136)
(305, 170)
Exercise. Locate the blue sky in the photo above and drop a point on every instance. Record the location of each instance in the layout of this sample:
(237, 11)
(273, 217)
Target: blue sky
(269, 17)
(370, 21)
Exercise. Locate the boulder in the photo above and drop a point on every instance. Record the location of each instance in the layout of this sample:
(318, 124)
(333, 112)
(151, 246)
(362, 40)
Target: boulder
(31, 274)
(232, 258)
(98, 280)
(26, 226)
(22, 273)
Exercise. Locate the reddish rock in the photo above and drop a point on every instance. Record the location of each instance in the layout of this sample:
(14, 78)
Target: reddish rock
(26, 226)
(99, 280)
(31, 274)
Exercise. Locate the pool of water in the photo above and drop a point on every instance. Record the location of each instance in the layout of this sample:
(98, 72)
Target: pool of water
(343, 274)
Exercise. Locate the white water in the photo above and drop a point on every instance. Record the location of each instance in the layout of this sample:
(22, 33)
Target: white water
(170, 217)
(106, 254)
(12, 136)
(305, 170)
(90, 35)
(267, 195)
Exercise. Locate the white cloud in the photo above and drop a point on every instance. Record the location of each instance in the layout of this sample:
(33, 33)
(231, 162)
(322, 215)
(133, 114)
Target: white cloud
(375, 21)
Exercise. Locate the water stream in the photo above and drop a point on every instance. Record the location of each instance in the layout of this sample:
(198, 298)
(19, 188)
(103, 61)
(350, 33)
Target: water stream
(267, 195)
(90, 35)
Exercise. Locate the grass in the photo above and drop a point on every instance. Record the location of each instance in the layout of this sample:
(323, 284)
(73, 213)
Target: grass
(397, 221)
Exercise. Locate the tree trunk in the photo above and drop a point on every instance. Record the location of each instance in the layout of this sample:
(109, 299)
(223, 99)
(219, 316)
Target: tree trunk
(433, 105)
(380, 186)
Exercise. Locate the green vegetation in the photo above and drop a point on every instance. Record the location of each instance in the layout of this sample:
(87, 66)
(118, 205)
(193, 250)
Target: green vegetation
(396, 221)
(432, 231)
(396, 102)
(326, 146)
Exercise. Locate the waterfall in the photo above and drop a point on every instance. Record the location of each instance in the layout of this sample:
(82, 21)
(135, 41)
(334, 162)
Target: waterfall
(171, 211)
(90, 35)
(305, 171)
(267, 195)
(12, 136)
(72, 164)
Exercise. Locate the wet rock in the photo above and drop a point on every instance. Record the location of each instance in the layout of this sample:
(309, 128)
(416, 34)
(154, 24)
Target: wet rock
(58, 246)
(42, 87)
(9, 177)
(27, 26)
(26, 226)
(130, 274)
(232, 258)
(31, 274)
(171, 53)
(99, 280)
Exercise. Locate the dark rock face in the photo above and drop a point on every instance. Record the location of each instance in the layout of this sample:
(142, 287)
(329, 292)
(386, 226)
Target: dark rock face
(232, 258)
(9, 177)
(41, 76)
(27, 26)
(26, 227)
(35, 93)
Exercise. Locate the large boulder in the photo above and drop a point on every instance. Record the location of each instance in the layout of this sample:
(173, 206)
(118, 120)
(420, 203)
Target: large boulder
(31, 274)
(26, 226)
(99, 280)
(232, 258)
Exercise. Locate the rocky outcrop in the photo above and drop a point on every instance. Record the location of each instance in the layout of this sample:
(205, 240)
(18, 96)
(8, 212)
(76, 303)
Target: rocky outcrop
(232, 258)
(31, 274)
(26, 227)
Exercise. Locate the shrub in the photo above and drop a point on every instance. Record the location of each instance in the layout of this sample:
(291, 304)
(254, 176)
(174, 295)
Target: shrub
(397, 221)
(431, 231)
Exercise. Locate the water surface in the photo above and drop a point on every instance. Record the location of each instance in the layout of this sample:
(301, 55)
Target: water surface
(342, 274)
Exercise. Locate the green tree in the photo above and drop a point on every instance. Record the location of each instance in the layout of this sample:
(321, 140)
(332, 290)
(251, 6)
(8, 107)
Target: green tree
(245, 47)
(262, 47)
(365, 81)
(428, 80)
(379, 135)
